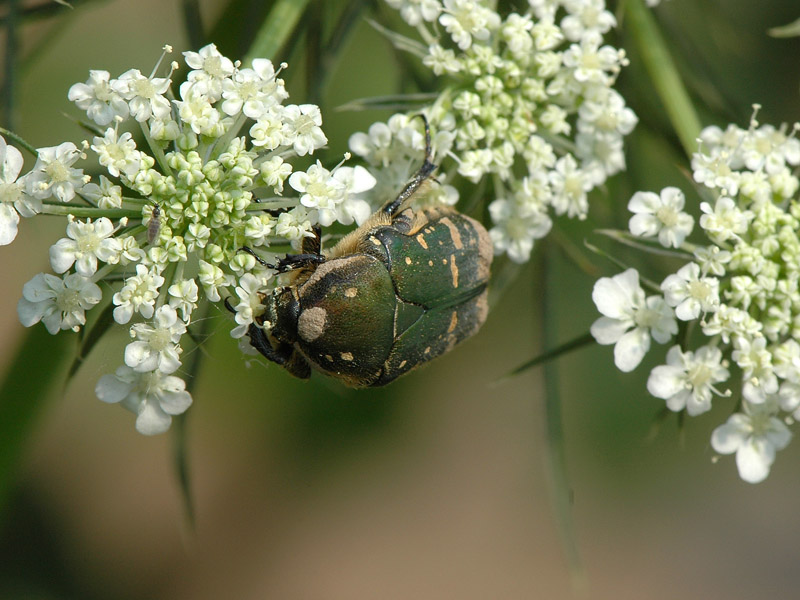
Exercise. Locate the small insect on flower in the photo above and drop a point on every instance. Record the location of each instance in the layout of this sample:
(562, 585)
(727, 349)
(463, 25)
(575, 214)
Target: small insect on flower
(154, 225)
(402, 289)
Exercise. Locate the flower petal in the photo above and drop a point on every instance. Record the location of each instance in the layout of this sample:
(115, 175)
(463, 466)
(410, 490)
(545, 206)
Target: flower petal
(631, 348)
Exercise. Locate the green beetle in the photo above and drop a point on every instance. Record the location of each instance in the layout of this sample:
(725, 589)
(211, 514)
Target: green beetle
(403, 288)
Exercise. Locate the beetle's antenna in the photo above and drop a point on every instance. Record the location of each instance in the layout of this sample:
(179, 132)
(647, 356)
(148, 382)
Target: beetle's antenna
(419, 177)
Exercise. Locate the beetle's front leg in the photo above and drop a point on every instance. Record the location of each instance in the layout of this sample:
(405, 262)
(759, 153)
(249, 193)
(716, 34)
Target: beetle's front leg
(419, 177)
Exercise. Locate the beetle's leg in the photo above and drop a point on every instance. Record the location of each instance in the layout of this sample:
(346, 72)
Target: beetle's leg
(260, 260)
(419, 177)
(297, 261)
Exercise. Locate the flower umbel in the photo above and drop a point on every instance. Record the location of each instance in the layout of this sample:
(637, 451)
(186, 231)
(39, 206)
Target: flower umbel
(737, 291)
(528, 104)
(161, 231)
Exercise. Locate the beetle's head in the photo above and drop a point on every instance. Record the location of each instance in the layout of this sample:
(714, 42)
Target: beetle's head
(283, 310)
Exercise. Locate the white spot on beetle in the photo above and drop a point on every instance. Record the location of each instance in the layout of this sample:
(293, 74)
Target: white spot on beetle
(329, 358)
(348, 356)
(311, 323)
(430, 263)
(408, 260)
(402, 364)
(427, 350)
(351, 292)
(422, 241)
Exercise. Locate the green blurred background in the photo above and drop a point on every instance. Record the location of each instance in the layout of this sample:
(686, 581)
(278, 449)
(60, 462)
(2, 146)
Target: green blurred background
(437, 486)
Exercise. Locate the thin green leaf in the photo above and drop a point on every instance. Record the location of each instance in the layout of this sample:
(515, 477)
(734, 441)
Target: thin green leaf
(332, 49)
(104, 320)
(193, 23)
(653, 52)
(624, 266)
(400, 41)
(18, 141)
(549, 355)
(785, 31)
(405, 102)
(555, 449)
(276, 29)
(27, 384)
(623, 237)
(10, 64)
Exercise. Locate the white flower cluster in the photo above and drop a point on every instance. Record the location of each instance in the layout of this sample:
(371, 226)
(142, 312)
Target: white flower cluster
(164, 230)
(528, 100)
(739, 286)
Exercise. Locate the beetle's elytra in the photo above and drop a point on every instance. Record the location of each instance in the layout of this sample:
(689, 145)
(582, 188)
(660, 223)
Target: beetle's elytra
(403, 288)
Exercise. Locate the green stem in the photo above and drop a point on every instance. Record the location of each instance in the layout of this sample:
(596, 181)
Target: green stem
(652, 49)
(88, 211)
(276, 29)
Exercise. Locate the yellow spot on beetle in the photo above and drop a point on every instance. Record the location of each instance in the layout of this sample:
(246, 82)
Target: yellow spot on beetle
(454, 234)
(454, 270)
(422, 241)
(351, 292)
(453, 322)
(430, 263)
(402, 364)
(346, 356)
(408, 260)
(374, 240)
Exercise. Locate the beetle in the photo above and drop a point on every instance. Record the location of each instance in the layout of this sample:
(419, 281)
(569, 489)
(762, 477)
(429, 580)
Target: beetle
(402, 289)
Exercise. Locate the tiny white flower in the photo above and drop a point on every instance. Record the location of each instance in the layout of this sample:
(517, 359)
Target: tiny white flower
(689, 294)
(210, 69)
(414, 12)
(570, 185)
(252, 91)
(356, 181)
(98, 98)
(250, 305)
(725, 220)
(118, 154)
(320, 191)
(211, 277)
(58, 303)
(145, 95)
(157, 345)
(14, 200)
(183, 297)
(87, 242)
(303, 128)
(154, 397)
(105, 195)
(660, 215)
(630, 319)
(137, 295)
(514, 231)
(53, 175)
(755, 360)
(687, 380)
(755, 435)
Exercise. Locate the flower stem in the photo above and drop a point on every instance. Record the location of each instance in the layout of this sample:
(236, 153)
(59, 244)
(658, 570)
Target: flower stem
(88, 211)
(652, 50)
